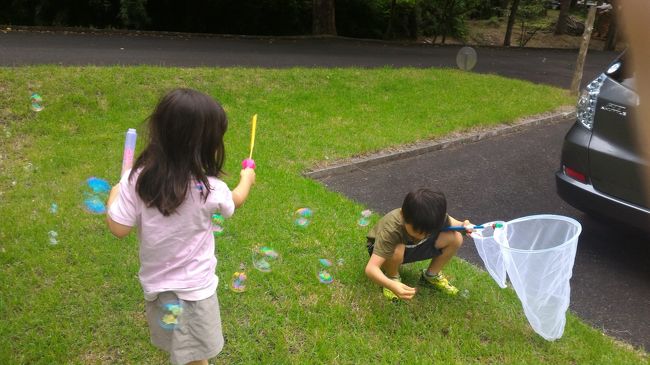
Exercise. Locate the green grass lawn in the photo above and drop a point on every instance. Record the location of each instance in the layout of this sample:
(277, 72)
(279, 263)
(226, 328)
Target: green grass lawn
(80, 302)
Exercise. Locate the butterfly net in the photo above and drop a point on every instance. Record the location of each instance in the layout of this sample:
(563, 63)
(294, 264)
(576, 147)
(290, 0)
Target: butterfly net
(537, 254)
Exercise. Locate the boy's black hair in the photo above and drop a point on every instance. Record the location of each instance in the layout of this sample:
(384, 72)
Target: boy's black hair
(425, 210)
(185, 143)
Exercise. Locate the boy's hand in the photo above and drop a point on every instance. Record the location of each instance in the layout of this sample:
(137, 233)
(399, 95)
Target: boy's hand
(469, 227)
(403, 291)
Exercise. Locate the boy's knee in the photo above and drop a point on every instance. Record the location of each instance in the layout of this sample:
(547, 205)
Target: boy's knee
(457, 240)
(398, 255)
(395, 260)
(452, 240)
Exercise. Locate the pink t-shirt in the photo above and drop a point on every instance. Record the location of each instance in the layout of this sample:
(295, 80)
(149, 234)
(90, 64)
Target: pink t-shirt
(177, 251)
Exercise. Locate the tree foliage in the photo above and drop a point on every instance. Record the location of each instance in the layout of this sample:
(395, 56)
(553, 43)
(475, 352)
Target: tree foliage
(524, 11)
(444, 18)
(486, 9)
(529, 11)
(353, 18)
(133, 13)
(431, 18)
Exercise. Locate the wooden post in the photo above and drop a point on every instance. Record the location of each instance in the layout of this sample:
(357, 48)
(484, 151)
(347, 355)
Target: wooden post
(586, 37)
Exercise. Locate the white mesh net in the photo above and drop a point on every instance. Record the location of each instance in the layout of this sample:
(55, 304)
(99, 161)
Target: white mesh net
(537, 253)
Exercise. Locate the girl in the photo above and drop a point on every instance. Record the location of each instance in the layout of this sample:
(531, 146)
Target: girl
(170, 195)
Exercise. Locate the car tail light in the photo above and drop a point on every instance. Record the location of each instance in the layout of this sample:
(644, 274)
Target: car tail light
(575, 174)
(586, 107)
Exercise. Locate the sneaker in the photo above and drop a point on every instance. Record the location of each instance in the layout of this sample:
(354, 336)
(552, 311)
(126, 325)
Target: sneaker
(389, 293)
(439, 282)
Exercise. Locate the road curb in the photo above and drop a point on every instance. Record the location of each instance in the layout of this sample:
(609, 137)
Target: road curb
(436, 145)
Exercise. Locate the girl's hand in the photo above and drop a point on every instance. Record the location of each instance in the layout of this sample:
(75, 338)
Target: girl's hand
(247, 175)
(240, 193)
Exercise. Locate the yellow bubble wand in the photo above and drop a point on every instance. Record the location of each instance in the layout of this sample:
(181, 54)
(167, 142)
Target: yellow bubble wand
(249, 162)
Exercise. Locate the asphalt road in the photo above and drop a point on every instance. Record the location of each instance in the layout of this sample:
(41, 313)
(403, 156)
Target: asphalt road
(508, 176)
(511, 176)
(554, 67)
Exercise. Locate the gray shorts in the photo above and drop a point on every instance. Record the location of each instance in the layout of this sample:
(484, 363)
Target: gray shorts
(187, 330)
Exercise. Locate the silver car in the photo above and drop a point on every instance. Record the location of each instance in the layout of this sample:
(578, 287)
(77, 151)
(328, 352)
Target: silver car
(601, 164)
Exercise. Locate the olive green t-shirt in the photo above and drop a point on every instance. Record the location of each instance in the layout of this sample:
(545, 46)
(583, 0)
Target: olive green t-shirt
(388, 233)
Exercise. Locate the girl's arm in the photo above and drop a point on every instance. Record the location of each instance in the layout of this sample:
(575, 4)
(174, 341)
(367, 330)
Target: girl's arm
(240, 193)
(119, 230)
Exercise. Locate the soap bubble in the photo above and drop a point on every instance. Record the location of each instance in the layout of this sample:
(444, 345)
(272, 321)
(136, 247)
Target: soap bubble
(170, 315)
(263, 257)
(364, 220)
(302, 217)
(464, 293)
(340, 261)
(53, 235)
(238, 283)
(323, 275)
(95, 205)
(36, 102)
(98, 185)
(54, 208)
(466, 58)
(95, 195)
(217, 224)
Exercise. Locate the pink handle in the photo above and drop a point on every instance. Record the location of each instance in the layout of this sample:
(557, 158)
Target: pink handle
(248, 163)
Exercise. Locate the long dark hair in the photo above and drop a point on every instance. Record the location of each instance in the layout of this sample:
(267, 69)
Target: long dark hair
(185, 142)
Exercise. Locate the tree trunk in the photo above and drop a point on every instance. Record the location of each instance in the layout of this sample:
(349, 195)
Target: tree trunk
(323, 19)
(612, 30)
(391, 20)
(511, 22)
(560, 27)
(612, 36)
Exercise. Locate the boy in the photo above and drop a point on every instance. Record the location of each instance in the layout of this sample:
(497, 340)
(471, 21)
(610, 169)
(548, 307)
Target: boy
(414, 233)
